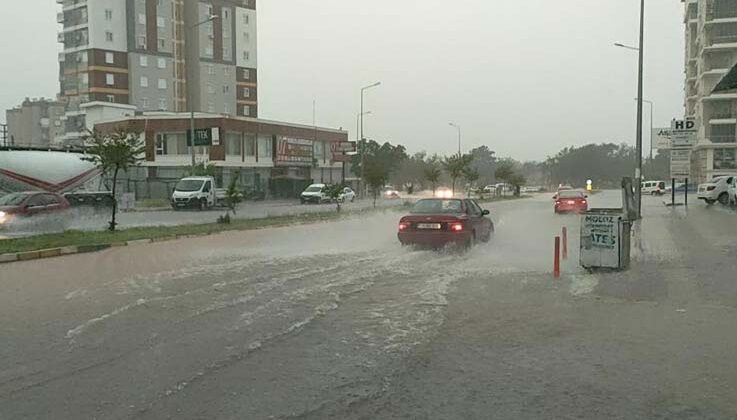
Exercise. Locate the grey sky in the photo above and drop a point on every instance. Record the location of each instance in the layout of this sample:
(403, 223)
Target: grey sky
(524, 80)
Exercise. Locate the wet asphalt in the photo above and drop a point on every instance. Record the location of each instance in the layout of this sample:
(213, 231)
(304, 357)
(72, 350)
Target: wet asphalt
(337, 320)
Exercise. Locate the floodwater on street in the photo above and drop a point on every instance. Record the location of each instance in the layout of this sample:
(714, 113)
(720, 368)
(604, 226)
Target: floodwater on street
(337, 320)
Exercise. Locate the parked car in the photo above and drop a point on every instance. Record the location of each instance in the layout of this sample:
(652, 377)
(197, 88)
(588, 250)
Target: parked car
(19, 205)
(314, 194)
(654, 187)
(437, 222)
(732, 191)
(530, 189)
(197, 192)
(101, 199)
(347, 195)
(571, 201)
(716, 190)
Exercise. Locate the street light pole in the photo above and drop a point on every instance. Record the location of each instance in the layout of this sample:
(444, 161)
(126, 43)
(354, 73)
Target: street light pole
(458, 127)
(358, 119)
(640, 71)
(190, 101)
(363, 149)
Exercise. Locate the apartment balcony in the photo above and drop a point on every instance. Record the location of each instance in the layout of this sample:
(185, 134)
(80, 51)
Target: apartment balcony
(60, 37)
(60, 17)
(721, 97)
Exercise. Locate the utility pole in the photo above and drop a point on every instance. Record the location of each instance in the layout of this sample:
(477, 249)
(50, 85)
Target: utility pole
(640, 71)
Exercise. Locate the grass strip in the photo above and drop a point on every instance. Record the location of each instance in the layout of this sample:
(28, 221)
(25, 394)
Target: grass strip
(91, 239)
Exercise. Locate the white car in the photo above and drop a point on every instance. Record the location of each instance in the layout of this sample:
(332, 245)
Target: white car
(347, 195)
(716, 190)
(654, 187)
(314, 194)
(733, 193)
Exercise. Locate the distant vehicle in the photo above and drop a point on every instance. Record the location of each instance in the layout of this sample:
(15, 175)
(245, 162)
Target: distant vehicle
(562, 188)
(30, 204)
(314, 194)
(197, 192)
(570, 201)
(529, 190)
(101, 199)
(347, 195)
(390, 193)
(716, 190)
(436, 222)
(444, 192)
(654, 187)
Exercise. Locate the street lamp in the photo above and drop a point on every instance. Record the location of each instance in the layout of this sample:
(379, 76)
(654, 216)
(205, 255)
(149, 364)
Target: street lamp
(651, 126)
(190, 101)
(358, 119)
(458, 127)
(638, 144)
(363, 154)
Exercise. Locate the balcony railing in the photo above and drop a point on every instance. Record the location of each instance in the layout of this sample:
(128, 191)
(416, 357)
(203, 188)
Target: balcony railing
(723, 139)
(723, 39)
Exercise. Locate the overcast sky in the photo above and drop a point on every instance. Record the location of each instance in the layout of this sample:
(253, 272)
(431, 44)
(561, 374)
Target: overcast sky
(524, 78)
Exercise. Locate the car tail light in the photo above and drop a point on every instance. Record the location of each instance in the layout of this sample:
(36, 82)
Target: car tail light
(584, 202)
(403, 226)
(456, 227)
(711, 188)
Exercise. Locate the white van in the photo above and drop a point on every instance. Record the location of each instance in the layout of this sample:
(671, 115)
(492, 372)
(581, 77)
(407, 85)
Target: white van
(197, 192)
(654, 187)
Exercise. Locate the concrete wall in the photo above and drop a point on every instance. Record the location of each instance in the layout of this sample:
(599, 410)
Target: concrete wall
(153, 72)
(99, 25)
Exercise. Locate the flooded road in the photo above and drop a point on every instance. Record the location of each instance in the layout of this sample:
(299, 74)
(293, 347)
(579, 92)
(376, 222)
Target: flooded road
(337, 320)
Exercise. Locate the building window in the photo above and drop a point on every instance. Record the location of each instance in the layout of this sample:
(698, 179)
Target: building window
(226, 109)
(143, 60)
(210, 107)
(160, 22)
(211, 70)
(233, 144)
(226, 89)
(142, 42)
(246, 110)
(162, 83)
(141, 18)
(246, 37)
(250, 143)
(82, 57)
(208, 51)
(225, 13)
(163, 104)
(161, 146)
(210, 88)
(246, 73)
(85, 79)
(246, 92)
(246, 55)
(162, 63)
(111, 98)
(110, 79)
(144, 81)
(725, 159)
(319, 150)
(108, 36)
(226, 72)
(108, 14)
(144, 103)
(246, 18)
(264, 147)
(109, 58)
(162, 43)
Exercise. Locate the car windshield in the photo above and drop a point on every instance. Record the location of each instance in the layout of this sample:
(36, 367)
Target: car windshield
(437, 207)
(571, 194)
(189, 185)
(313, 189)
(12, 199)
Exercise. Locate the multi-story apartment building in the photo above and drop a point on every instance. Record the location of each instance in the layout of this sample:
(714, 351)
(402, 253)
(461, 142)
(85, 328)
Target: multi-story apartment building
(711, 51)
(157, 55)
(35, 123)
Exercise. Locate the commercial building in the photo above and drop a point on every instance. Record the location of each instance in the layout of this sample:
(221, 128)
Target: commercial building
(711, 51)
(35, 123)
(276, 158)
(157, 55)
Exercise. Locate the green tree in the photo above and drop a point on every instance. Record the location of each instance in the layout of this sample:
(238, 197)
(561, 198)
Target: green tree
(456, 165)
(517, 180)
(471, 175)
(202, 169)
(432, 174)
(114, 152)
(233, 196)
(504, 172)
(333, 192)
(376, 175)
(377, 162)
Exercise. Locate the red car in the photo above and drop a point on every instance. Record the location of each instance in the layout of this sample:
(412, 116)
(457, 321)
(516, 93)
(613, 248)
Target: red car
(436, 222)
(29, 204)
(571, 202)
